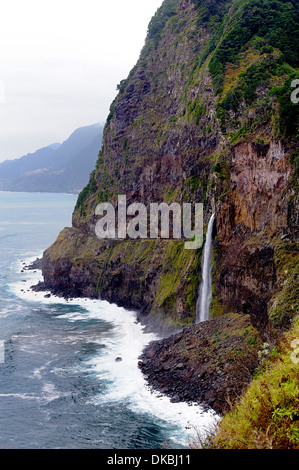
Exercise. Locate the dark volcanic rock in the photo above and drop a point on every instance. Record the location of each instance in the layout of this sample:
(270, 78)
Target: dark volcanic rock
(209, 363)
(37, 264)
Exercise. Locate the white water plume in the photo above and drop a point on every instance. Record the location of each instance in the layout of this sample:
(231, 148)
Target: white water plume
(205, 288)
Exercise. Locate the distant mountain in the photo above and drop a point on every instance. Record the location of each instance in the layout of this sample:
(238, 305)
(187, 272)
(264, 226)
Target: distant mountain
(58, 167)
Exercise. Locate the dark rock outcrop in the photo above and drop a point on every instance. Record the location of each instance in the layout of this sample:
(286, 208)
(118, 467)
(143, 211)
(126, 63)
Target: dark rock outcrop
(210, 363)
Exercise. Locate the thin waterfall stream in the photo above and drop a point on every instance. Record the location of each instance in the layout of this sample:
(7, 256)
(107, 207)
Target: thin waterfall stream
(205, 288)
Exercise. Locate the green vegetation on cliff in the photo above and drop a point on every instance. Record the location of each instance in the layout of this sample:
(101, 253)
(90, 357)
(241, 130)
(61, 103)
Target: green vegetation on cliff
(159, 20)
(275, 21)
(285, 305)
(254, 48)
(206, 116)
(212, 75)
(267, 415)
(89, 189)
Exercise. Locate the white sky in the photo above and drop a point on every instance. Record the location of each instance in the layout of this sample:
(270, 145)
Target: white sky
(60, 63)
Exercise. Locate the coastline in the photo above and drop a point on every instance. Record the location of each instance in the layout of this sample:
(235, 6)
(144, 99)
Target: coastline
(129, 377)
(208, 364)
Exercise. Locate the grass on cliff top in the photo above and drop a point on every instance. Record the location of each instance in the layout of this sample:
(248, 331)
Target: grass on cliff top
(285, 304)
(267, 416)
(274, 21)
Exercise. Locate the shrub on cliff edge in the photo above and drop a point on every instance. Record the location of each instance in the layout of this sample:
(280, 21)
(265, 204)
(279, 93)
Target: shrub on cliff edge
(267, 416)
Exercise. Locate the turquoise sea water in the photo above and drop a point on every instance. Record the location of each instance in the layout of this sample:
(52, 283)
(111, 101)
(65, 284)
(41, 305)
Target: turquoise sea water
(60, 385)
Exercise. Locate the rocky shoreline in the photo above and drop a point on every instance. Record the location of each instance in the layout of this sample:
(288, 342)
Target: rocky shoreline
(210, 363)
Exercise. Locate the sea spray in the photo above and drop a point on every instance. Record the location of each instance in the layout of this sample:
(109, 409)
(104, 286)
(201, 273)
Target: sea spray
(205, 288)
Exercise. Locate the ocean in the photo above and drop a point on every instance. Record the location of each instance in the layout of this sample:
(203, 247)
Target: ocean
(61, 386)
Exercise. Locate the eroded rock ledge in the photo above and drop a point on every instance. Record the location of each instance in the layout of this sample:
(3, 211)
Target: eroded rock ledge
(210, 363)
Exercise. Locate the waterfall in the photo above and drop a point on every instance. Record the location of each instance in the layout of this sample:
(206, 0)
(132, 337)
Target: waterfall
(205, 288)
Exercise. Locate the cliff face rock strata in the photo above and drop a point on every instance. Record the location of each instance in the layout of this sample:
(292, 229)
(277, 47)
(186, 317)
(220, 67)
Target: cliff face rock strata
(143, 275)
(252, 220)
(183, 130)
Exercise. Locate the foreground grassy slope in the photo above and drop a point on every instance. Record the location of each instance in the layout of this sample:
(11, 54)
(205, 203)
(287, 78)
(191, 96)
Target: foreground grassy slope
(267, 416)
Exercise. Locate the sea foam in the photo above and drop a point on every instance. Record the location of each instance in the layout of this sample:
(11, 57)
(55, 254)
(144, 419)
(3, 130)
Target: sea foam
(117, 363)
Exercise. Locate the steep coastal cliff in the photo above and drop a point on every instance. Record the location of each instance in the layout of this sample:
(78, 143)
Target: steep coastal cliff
(181, 131)
(204, 116)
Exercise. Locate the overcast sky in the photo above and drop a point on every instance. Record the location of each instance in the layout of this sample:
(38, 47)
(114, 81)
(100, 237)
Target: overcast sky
(60, 63)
